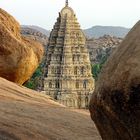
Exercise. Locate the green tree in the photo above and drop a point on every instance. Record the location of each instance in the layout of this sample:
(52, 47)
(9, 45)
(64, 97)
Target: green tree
(96, 68)
(34, 81)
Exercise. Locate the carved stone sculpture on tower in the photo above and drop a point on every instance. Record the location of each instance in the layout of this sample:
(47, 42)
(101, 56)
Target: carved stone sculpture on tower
(68, 77)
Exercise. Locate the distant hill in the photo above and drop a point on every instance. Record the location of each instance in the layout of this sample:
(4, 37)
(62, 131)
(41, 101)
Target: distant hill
(98, 44)
(40, 29)
(34, 34)
(93, 32)
(98, 31)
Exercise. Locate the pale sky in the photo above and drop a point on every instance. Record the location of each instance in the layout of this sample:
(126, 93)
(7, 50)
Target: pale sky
(43, 13)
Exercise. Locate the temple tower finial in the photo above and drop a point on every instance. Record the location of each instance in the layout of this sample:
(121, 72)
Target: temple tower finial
(67, 3)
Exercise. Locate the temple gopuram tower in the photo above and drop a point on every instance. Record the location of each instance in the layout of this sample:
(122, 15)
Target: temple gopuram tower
(68, 78)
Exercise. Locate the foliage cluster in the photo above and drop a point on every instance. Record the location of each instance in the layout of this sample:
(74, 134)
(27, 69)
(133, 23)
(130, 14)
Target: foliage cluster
(34, 81)
(96, 68)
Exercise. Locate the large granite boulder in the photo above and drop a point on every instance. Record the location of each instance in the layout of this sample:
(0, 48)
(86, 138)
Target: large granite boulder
(28, 115)
(115, 104)
(19, 56)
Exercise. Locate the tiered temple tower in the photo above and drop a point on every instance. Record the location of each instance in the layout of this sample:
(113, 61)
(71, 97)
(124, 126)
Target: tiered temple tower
(68, 77)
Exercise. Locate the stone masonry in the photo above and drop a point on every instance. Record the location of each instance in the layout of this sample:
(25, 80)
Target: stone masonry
(68, 78)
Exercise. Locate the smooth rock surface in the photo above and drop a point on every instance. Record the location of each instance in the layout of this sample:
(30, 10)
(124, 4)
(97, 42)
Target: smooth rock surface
(115, 104)
(29, 115)
(19, 56)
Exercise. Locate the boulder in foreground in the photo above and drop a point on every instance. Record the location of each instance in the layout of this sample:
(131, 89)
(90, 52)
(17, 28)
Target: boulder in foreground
(115, 104)
(19, 56)
(29, 115)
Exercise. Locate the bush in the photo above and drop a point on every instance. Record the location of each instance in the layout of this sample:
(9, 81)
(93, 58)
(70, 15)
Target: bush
(34, 81)
(96, 68)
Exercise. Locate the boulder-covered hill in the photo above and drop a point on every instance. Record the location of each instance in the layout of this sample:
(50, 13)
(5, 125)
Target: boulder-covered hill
(102, 47)
(34, 34)
(98, 31)
(37, 28)
(29, 115)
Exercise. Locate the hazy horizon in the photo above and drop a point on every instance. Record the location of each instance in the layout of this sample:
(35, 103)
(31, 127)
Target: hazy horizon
(89, 13)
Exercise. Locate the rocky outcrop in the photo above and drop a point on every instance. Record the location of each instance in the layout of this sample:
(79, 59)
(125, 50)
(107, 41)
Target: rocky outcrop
(19, 56)
(29, 115)
(115, 104)
(38, 28)
(102, 46)
(35, 35)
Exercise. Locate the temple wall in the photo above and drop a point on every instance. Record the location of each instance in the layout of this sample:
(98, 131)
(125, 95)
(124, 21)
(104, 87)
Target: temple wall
(68, 77)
